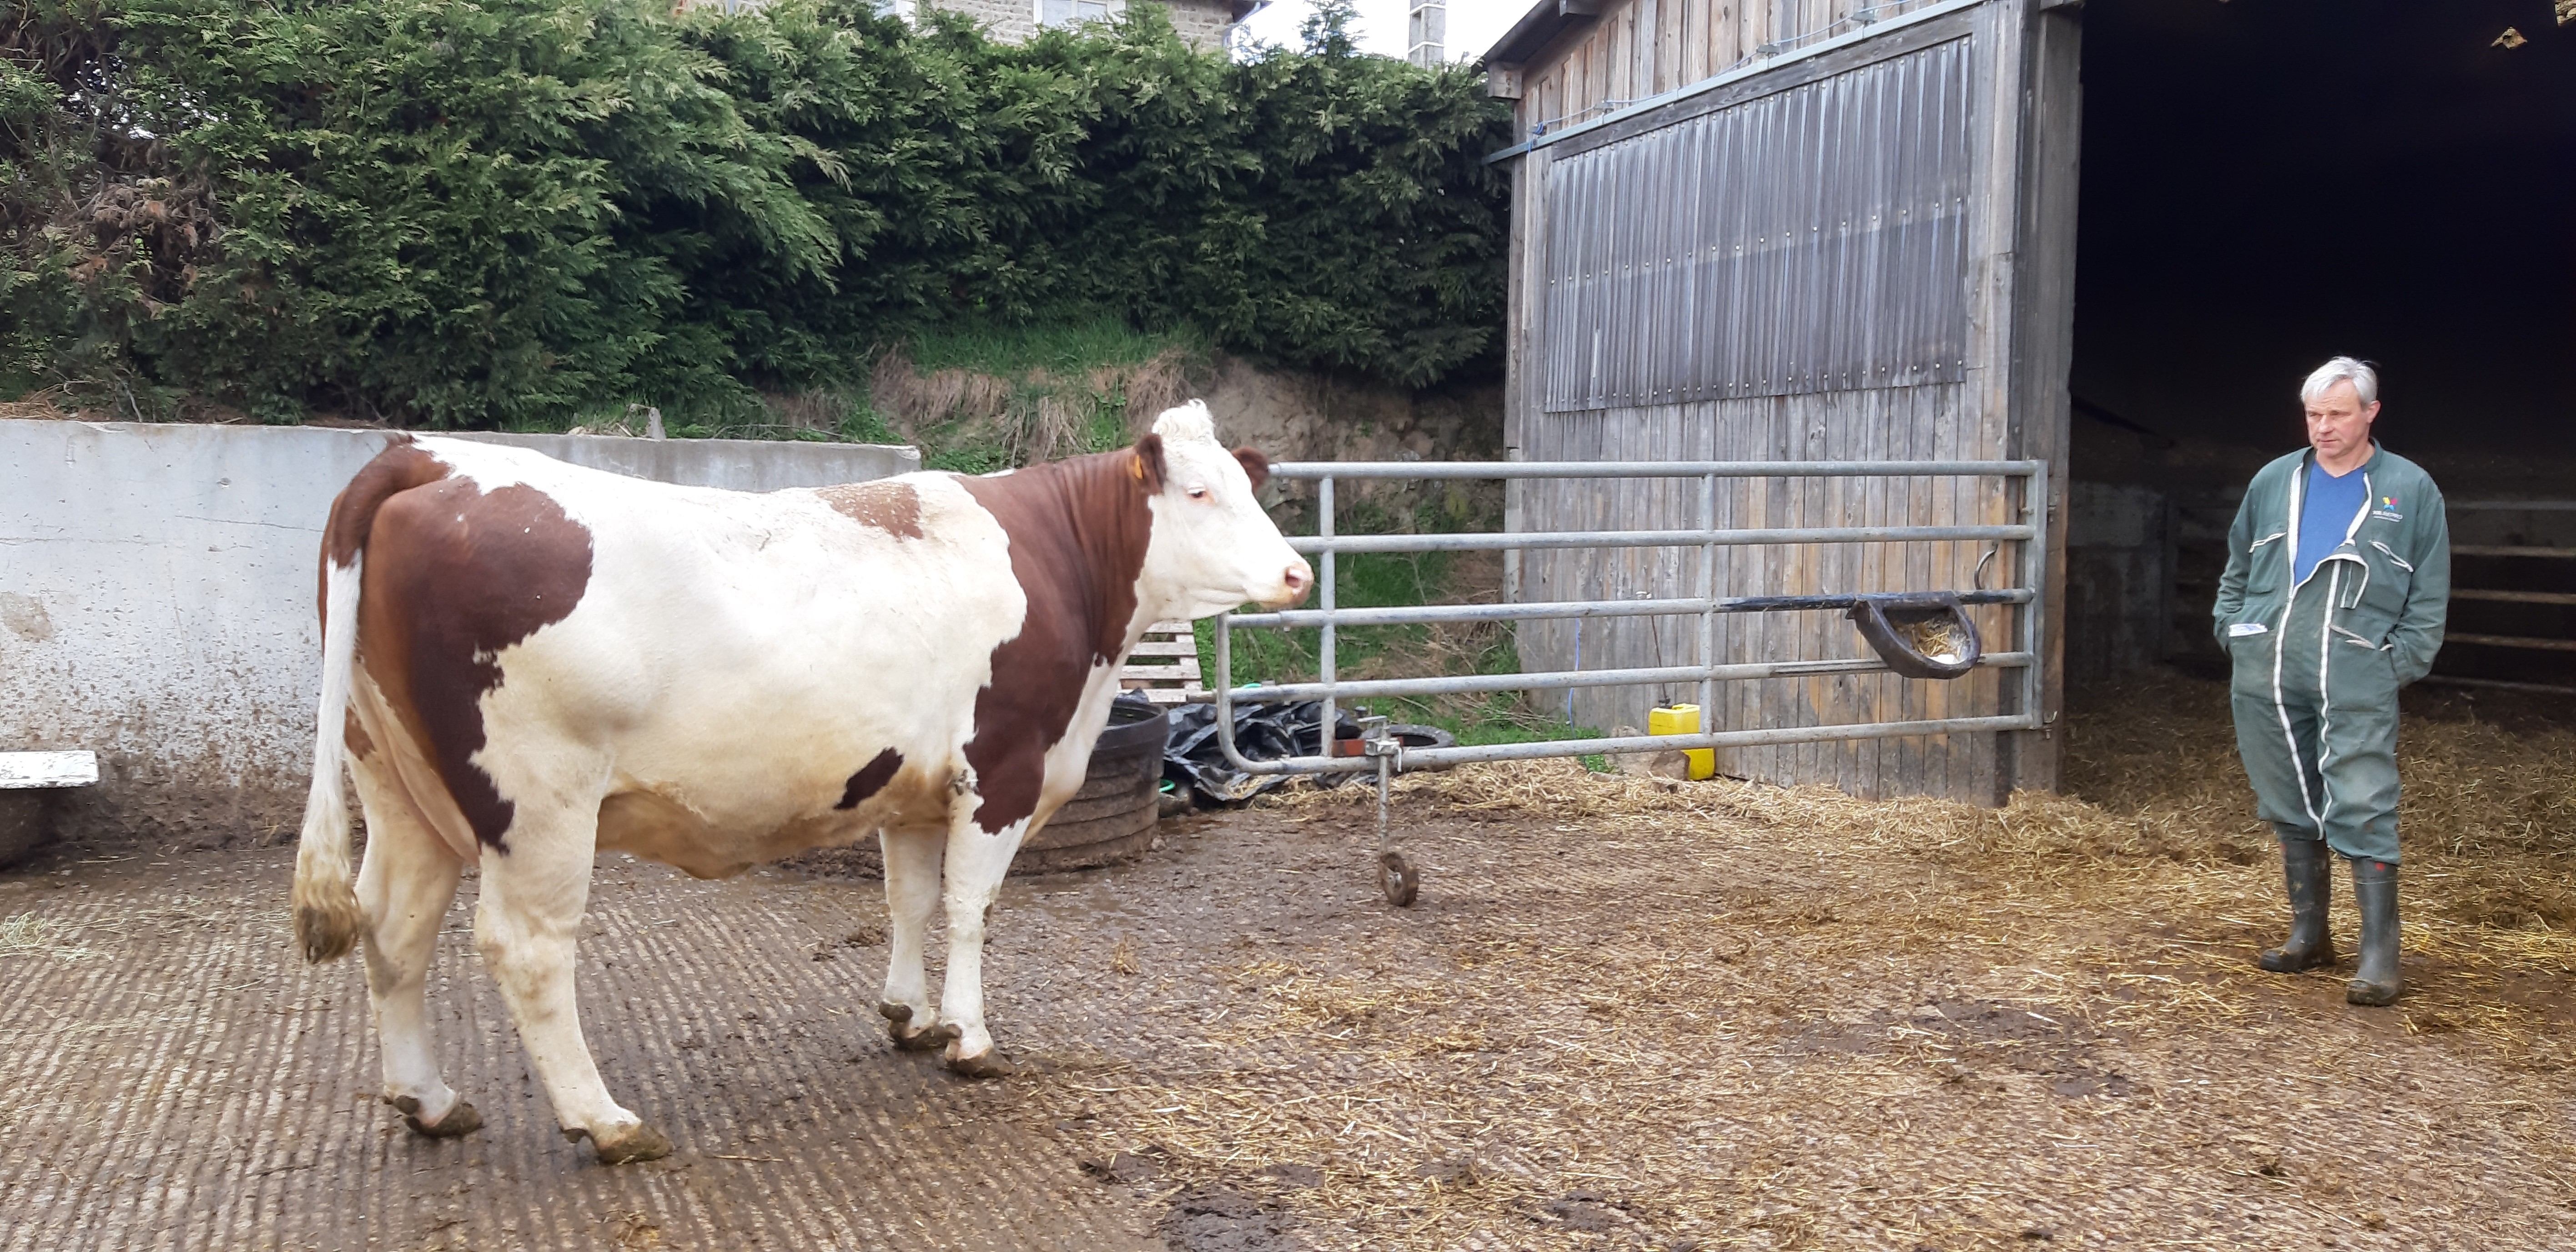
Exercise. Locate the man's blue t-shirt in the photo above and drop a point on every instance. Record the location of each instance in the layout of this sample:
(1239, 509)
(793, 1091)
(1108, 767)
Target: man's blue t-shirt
(2325, 516)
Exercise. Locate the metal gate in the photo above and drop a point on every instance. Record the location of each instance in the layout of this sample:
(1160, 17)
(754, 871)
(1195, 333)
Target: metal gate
(1384, 756)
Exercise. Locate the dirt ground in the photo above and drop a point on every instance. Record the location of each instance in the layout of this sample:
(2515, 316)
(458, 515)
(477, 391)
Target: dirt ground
(1692, 1027)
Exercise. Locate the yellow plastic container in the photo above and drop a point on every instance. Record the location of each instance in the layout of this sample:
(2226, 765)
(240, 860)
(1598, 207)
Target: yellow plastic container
(1683, 719)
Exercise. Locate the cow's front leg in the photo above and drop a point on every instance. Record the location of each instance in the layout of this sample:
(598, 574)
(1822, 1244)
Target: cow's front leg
(912, 886)
(977, 860)
(525, 927)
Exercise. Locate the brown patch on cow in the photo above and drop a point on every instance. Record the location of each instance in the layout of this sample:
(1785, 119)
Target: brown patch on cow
(354, 736)
(894, 508)
(1078, 530)
(400, 467)
(870, 779)
(1256, 466)
(453, 576)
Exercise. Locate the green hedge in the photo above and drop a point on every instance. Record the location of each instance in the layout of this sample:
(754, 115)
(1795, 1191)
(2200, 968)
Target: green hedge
(479, 212)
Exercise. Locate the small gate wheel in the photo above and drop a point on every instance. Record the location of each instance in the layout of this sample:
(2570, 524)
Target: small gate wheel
(1396, 878)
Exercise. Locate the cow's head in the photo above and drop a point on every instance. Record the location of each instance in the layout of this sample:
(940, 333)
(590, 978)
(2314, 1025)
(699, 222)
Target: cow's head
(1212, 547)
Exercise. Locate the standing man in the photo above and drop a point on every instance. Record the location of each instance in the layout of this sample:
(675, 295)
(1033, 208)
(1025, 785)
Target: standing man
(2338, 578)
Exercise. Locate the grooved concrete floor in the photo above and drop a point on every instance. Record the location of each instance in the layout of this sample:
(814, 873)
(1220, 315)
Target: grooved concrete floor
(172, 1076)
(1592, 1033)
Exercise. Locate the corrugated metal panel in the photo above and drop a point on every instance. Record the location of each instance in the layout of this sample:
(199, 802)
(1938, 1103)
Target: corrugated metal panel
(1810, 240)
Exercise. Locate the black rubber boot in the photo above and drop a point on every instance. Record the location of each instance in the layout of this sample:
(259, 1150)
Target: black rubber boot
(2307, 866)
(2374, 889)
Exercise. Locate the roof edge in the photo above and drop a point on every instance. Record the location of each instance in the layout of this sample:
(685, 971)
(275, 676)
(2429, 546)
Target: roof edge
(1537, 28)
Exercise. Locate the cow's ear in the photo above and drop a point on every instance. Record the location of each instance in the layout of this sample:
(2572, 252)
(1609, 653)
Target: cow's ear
(1255, 465)
(1148, 465)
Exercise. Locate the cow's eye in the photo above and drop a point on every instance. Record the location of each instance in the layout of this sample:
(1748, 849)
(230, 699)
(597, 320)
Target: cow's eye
(1198, 493)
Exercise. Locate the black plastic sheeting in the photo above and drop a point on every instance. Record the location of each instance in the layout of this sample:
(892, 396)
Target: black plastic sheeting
(1192, 757)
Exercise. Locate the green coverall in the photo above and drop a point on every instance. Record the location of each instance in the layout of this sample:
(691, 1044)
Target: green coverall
(2318, 664)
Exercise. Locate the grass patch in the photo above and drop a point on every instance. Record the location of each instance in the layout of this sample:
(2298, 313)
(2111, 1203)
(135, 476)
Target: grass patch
(1382, 579)
(975, 397)
(979, 397)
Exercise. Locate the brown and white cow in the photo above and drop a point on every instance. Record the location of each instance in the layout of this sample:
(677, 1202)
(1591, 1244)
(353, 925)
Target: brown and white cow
(525, 662)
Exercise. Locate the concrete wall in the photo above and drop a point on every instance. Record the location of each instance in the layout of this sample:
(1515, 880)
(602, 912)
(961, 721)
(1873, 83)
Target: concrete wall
(156, 602)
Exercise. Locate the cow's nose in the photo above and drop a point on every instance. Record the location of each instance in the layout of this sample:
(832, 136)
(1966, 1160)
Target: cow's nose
(1299, 577)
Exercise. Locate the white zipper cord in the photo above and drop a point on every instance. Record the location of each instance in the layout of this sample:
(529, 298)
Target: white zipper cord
(2280, 637)
(2325, 709)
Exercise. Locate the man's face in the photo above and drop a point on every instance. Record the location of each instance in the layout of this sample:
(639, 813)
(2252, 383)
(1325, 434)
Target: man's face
(2339, 423)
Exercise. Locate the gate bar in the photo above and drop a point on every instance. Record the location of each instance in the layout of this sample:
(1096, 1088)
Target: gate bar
(1386, 755)
(1416, 615)
(1422, 758)
(1652, 469)
(1559, 680)
(1501, 541)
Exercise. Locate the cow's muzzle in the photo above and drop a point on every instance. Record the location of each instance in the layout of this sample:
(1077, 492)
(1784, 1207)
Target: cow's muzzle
(1294, 583)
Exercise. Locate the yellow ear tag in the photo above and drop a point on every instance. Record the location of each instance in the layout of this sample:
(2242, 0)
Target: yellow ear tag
(1136, 468)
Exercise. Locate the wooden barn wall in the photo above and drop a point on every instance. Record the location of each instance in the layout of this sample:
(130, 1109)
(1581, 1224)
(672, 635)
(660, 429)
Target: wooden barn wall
(1984, 403)
(1641, 48)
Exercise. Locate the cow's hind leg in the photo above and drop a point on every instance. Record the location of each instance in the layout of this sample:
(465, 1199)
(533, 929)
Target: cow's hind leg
(405, 884)
(525, 926)
(912, 886)
(977, 860)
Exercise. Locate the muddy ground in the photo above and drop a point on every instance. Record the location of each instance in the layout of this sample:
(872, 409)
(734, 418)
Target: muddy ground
(1616, 1032)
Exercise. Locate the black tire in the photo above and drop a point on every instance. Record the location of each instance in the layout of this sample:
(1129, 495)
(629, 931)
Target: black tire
(1416, 736)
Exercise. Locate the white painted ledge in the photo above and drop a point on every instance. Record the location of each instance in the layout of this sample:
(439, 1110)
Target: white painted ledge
(47, 769)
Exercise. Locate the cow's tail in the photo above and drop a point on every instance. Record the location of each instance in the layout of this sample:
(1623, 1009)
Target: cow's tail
(328, 918)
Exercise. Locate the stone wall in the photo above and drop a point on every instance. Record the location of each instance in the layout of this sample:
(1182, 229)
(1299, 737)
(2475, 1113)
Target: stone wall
(1294, 416)
(1201, 22)
(1009, 20)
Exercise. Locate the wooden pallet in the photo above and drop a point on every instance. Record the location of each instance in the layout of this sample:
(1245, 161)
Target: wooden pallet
(1165, 667)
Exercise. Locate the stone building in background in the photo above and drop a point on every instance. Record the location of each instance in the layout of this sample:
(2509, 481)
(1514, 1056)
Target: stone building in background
(1204, 23)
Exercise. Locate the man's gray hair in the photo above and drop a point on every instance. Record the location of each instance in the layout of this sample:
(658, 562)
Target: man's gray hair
(2342, 369)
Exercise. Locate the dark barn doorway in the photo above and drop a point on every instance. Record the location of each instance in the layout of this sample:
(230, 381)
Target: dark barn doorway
(2266, 184)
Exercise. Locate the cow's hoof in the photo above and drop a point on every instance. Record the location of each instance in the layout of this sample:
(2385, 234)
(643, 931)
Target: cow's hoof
(928, 1040)
(990, 1065)
(638, 1142)
(461, 1119)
